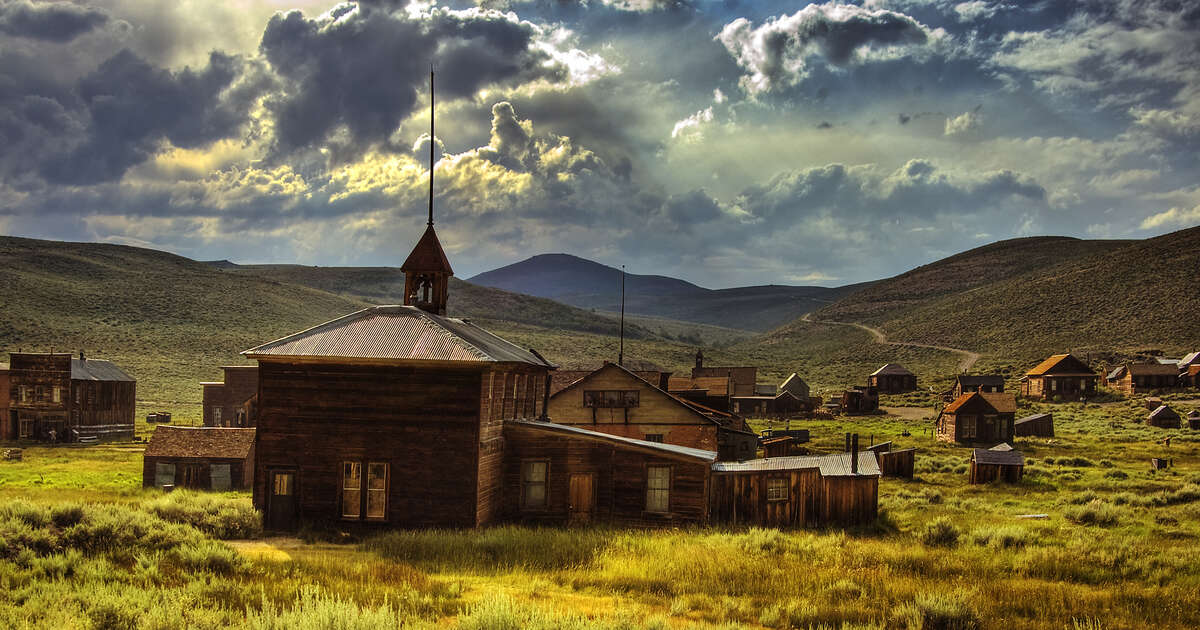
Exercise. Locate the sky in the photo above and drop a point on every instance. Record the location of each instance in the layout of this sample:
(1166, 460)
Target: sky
(725, 142)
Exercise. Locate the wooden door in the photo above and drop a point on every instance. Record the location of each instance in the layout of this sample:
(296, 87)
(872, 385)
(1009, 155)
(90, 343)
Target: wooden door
(583, 497)
(281, 499)
(191, 476)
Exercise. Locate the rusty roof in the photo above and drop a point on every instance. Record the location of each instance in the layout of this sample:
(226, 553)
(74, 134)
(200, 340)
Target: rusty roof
(714, 385)
(1000, 401)
(397, 333)
(200, 442)
(428, 255)
(835, 465)
(574, 431)
(1053, 361)
(892, 369)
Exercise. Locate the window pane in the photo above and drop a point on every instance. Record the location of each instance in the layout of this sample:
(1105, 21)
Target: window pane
(777, 489)
(351, 489)
(377, 486)
(535, 471)
(535, 495)
(164, 475)
(282, 484)
(533, 484)
(219, 473)
(658, 484)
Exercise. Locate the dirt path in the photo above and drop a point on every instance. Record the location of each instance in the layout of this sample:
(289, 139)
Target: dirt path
(968, 358)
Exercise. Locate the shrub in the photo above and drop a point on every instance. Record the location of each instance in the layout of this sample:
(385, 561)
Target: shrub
(1009, 537)
(1095, 512)
(940, 533)
(1116, 474)
(221, 516)
(935, 611)
(66, 515)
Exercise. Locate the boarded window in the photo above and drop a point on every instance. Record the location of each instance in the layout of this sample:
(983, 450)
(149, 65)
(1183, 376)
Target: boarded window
(658, 489)
(164, 475)
(611, 398)
(533, 484)
(220, 476)
(351, 489)
(968, 427)
(777, 489)
(654, 437)
(377, 490)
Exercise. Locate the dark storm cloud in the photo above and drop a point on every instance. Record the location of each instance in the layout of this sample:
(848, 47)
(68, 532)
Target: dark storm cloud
(361, 68)
(50, 21)
(128, 106)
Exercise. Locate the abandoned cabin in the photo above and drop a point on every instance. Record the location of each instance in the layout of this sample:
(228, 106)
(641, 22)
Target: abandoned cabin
(1189, 370)
(978, 417)
(858, 400)
(200, 458)
(966, 383)
(1164, 418)
(790, 398)
(892, 378)
(999, 463)
(900, 463)
(1036, 425)
(716, 387)
(231, 402)
(1061, 375)
(1139, 378)
(56, 397)
(1193, 419)
(617, 401)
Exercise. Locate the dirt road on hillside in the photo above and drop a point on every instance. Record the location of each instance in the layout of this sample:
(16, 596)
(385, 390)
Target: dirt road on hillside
(968, 358)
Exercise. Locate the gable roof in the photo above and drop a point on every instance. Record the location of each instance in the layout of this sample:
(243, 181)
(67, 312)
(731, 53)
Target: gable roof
(560, 379)
(892, 369)
(690, 407)
(428, 255)
(977, 380)
(1189, 359)
(1153, 369)
(1116, 373)
(997, 458)
(98, 370)
(1034, 418)
(795, 386)
(211, 442)
(713, 385)
(657, 447)
(835, 465)
(397, 333)
(1164, 412)
(1062, 364)
(998, 401)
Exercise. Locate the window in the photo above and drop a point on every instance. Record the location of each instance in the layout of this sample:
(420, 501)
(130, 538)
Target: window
(611, 398)
(1053, 385)
(40, 394)
(220, 477)
(777, 489)
(56, 394)
(968, 427)
(351, 490)
(24, 393)
(376, 490)
(26, 428)
(216, 416)
(533, 484)
(282, 484)
(658, 489)
(654, 437)
(164, 475)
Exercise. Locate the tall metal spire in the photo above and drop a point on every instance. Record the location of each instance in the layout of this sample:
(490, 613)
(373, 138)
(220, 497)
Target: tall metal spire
(621, 351)
(432, 109)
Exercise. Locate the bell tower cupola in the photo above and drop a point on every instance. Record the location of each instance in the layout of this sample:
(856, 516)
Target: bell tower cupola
(427, 270)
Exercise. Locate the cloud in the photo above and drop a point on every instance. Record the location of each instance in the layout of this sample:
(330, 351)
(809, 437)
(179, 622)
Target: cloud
(692, 126)
(50, 21)
(1175, 217)
(963, 124)
(778, 53)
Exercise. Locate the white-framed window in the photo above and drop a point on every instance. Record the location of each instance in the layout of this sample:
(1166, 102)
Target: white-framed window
(164, 475)
(533, 484)
(219, 475)
(377, 490)
(777, 489)
(375, 486)
(658, 489)
(968, 427)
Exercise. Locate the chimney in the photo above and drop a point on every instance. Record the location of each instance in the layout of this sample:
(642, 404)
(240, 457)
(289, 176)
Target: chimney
(854, 455)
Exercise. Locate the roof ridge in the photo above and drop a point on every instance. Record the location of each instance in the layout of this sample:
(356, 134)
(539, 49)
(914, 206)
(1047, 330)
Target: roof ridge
(428, 320)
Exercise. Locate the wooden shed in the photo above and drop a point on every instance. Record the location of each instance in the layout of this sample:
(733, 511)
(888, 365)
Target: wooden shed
(860, 399)
(806, 491)
(1139, 378)
(967, 383)
(1061, 376)
(56, 397)
(899, 463)
(978, 417)
(1036, 425)
(1193, 419)
(782, 446)
(1164, 418)
(892, 378)
(999, 463)
(556, 474)
(202, 458)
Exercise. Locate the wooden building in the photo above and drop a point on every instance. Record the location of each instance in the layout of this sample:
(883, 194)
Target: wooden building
(806, 491)
(1164, 418)
(561, 378)
(999, 463)
(977, 418)
(781, 446)
(1061, 376)
(966, 383)
(229, 403)
(1193, 419)
(1139, 378)
(859, 400)
(892, 378)
(8, 420)
(202, 458)
(900, 463)
(1189, 370)
(742, 379)
(55, 397)
(713, 392)
(1036, 425)
(790, 398)
(555, 474)
(617, 401)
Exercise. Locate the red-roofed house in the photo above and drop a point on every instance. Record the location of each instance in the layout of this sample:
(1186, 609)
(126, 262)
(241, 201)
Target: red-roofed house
(1061, 375)
(978, 418)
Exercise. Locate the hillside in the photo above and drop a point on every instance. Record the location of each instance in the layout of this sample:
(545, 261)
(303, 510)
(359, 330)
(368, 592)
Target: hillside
(1020, 300)
(385, 285)
(586, 284)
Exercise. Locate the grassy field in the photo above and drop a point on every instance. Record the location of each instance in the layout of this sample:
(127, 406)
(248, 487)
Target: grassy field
(1116, 548)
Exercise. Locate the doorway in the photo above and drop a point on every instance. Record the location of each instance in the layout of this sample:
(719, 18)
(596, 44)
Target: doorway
(583, 498)
(281, 499)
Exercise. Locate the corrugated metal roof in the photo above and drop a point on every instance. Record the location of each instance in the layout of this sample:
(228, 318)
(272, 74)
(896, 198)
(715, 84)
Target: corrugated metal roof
(998, 458)
(835, 465)
(1153, 369)
(397, 332)
(1035, 417)
(1190, 359)
(892, 369)
(216, 442)
(1164, 411)
(695, 453)
(98, 370)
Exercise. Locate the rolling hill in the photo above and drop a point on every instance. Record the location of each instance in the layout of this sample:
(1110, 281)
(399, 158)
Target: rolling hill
(587, 284)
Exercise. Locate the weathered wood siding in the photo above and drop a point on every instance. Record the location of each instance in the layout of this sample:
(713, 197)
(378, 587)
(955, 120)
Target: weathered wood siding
(8, 424)
(241, 383)
(619, 480)
(241, 471)
(986, 473)
(897, 463)
(893, 383)
(741, 499)
(849, 501)
(424, 422)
